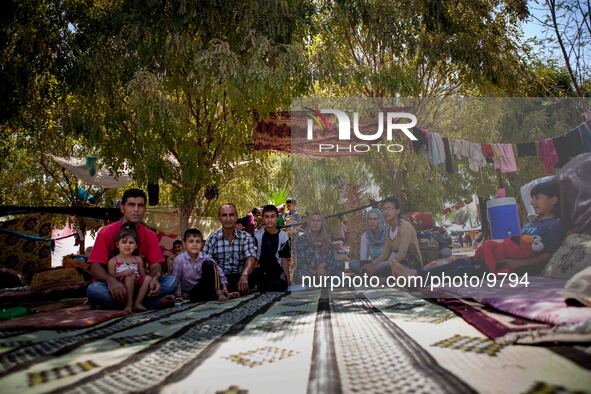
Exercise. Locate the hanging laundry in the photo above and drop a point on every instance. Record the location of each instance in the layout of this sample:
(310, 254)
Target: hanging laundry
(91, 165)
(436, 149)
(548, 155)
(487, 151)
(420, 145)
(449, 166)
(526, 149)
(568, 146)
(472, 151)
(428, 139)
(506, 158)
(585, 133)
(476, 159)
(461, 148)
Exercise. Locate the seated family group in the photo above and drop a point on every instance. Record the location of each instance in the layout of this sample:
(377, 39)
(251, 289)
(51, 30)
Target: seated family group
(233, 262)
(226, 265)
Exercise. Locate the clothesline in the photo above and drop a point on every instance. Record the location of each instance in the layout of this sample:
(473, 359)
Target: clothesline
(50, 241)
(554, 151)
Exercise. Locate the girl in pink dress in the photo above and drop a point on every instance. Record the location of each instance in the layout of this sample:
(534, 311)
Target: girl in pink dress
(129, 269)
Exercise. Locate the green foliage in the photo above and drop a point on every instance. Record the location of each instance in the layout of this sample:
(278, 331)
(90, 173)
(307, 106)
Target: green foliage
(171, 89)
(183, 82)
(33, 52)
(417, 48)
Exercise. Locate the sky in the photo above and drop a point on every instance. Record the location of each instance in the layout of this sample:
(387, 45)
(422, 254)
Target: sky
(532, 27)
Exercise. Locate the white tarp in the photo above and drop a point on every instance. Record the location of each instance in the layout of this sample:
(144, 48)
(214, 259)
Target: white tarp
(167, 220)
(64, 247)
(102, 178)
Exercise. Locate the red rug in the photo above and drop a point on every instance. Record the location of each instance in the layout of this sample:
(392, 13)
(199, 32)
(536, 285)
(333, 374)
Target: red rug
(77, 317)
(492, 323)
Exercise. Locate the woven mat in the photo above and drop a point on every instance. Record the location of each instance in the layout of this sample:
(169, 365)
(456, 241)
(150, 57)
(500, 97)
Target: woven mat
(276, 345)
(485, 365)
(62, 358)
(349, 341)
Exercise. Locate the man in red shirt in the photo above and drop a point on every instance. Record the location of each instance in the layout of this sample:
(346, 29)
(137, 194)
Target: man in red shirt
(109, 293)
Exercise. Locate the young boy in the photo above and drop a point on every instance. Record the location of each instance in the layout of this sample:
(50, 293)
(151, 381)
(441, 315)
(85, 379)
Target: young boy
(546, 225)
(199, 277)
(499, 258)
(273, 254)
(545, 200)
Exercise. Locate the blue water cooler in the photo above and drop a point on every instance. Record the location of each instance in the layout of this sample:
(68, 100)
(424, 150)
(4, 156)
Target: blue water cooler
(503, 217)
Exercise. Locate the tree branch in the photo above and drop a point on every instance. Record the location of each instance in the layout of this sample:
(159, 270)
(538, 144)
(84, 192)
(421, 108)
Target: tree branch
(552, 6)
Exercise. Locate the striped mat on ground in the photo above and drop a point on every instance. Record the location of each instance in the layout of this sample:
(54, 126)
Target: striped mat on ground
(350, 341)
(479, 361)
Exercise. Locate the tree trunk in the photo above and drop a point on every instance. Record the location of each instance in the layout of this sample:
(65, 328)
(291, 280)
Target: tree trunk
(565, 56)
(355, 220)
(184, 215)
(394, 170)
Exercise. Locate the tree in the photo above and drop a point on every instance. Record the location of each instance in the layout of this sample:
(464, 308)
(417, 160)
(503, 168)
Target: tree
(418, 49)
(172, 88)
(34, 49)
(35, 43)
(569, 23)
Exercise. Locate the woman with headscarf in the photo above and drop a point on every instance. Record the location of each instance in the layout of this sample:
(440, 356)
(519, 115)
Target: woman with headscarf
(314, 251)
(372, 240)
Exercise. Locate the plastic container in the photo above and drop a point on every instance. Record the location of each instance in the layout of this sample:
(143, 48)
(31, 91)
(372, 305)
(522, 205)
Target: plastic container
(14, 312)
(503, 217)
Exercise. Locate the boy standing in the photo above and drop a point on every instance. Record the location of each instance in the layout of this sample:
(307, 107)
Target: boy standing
(273, 254)
(199, 277)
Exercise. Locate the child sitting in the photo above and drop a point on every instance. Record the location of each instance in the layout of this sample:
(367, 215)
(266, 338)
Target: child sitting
(129, 269)
(199, 277)
(497, 257)
(177, 248)
(517, 254)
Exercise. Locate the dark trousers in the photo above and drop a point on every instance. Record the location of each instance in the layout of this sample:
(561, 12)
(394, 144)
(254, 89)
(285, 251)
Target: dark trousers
(267, 281)
(258, 278)
(456, 268)
(205, 289)
(233, 282)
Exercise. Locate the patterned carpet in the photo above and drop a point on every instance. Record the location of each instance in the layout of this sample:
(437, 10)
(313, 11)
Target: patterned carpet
(348, 341)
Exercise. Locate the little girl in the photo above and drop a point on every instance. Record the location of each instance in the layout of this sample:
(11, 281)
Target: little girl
(129, 269)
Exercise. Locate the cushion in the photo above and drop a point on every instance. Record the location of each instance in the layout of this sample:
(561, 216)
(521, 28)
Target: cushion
(56, 277)
(579, 287)
(421, 220)
(74, 261)
(573, 256)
